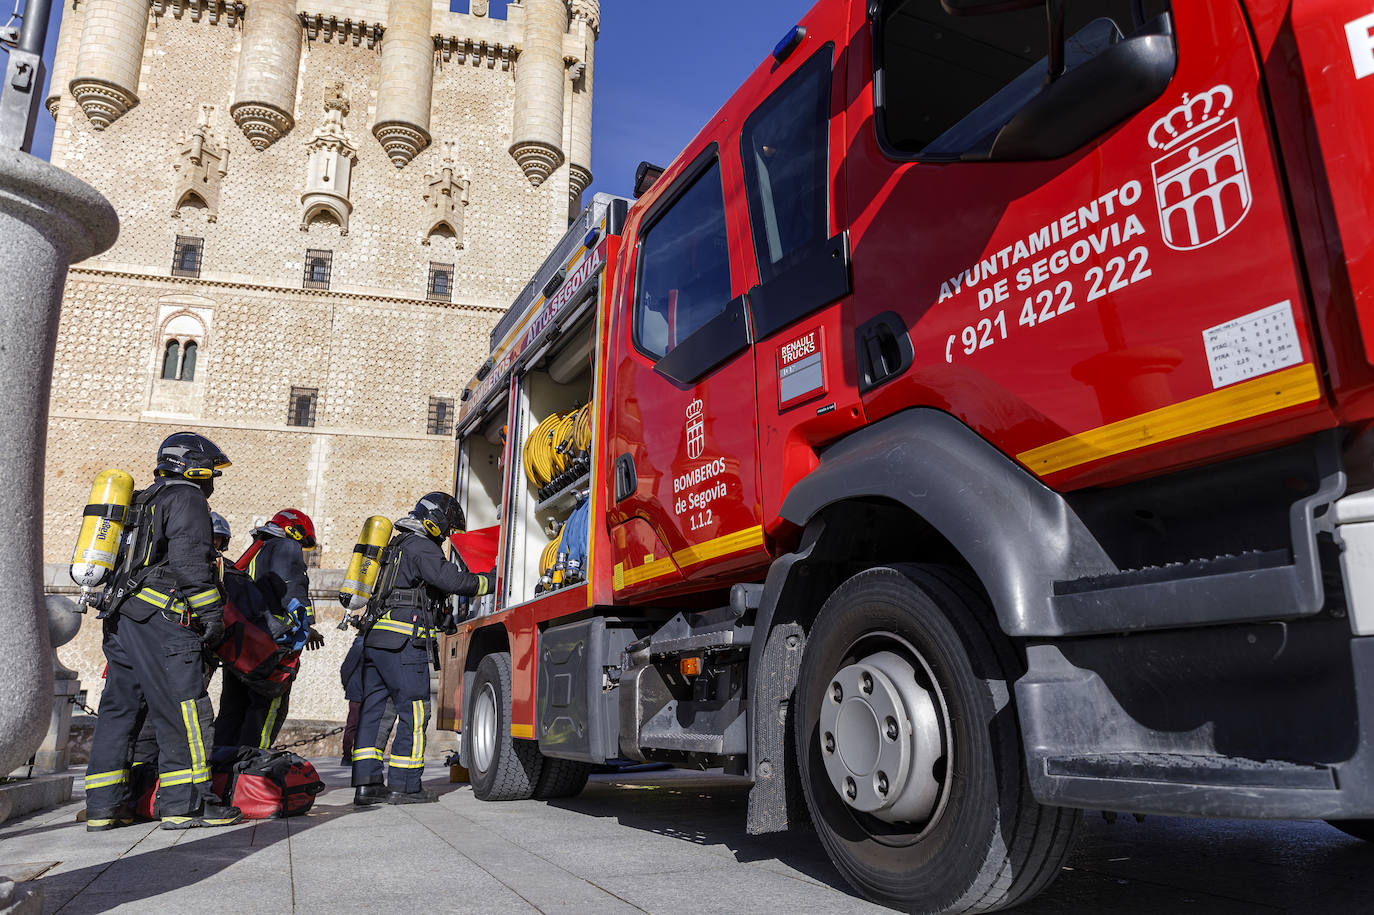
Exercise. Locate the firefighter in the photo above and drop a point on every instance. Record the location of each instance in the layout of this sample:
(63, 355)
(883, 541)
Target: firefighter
(399, 632)
(163, 605)
(275, 560)
(220, 528)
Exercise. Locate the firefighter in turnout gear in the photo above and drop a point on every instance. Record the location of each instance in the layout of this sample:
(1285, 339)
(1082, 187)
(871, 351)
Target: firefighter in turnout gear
(398, 631)
(163, 605)
(275, 560)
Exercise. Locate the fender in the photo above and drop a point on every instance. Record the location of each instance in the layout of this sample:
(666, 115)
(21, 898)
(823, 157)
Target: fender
(1018, 535)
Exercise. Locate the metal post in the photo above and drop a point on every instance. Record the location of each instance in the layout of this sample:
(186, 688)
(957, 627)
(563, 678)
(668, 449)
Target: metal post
(23, 85)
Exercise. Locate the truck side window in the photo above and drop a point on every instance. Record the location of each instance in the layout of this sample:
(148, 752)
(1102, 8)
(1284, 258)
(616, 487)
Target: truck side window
(946, 84)
(785, 147)
(684, 267)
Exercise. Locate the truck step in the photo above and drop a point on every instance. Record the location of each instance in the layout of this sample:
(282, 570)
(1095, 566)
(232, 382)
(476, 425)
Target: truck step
(1253, 585)
(1192, 769)
(716, 728)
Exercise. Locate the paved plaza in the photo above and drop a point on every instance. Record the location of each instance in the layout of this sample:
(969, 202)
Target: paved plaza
(662, 842)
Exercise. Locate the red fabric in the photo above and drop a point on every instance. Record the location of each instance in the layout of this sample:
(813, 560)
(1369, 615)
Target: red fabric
(478, 548)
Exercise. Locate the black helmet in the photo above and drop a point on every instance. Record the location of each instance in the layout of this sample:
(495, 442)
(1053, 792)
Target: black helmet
(186, 454)
(439, 513)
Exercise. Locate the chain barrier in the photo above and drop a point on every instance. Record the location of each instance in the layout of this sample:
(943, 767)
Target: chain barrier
(314, 738)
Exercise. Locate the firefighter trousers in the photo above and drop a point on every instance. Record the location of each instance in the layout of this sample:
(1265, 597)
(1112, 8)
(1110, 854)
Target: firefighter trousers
(401, 675)
(158, 662)
(246, 718)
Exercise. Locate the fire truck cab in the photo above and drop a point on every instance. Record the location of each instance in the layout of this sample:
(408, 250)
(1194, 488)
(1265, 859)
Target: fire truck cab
(969, 427)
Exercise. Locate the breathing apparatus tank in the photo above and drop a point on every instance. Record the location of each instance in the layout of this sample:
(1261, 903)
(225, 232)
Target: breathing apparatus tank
(97, 546)
(363, 566)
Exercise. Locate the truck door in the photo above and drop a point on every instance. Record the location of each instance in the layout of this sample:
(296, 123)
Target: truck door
(684, 505)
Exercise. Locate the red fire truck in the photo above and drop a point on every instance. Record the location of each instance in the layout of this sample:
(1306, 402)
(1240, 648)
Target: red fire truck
(970, 427)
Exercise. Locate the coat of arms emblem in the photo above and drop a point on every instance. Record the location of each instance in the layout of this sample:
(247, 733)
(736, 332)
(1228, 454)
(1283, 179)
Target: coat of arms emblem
(1201, 183)
(696, 431)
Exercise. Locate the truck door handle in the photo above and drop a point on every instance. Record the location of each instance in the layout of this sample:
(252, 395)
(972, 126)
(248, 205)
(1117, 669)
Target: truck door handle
(626, 480)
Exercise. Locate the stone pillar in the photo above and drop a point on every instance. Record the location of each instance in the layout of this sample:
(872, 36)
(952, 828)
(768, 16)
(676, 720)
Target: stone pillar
(48, 220)
(265, 97)
(105, 83)
(68, 46)
(64, 621)
(405, 95)
(586, 25)
(537, 134)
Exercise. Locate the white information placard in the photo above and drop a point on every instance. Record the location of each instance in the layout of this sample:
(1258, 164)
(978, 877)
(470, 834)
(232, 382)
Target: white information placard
(1253, 344)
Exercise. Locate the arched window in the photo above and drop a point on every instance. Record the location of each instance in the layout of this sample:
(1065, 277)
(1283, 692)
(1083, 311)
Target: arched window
(170, 358)
(188, 362)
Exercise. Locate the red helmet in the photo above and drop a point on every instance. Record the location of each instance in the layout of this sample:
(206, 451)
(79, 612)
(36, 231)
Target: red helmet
(296, 524)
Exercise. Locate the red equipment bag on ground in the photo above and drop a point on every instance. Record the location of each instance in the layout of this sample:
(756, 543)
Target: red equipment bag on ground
(248, 649)
(268, 783)
(260, 783)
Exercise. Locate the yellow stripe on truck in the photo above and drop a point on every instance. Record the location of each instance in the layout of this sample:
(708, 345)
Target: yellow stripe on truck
(1267, 394)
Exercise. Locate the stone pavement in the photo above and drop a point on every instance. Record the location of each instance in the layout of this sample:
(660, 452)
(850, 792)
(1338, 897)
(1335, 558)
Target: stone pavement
(663, 841)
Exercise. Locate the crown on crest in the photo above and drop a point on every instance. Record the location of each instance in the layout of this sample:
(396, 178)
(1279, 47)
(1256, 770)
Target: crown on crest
(694, 409)
(1197, 113)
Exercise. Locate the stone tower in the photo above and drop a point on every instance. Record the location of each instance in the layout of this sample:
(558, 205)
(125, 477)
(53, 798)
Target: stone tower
(325, 206)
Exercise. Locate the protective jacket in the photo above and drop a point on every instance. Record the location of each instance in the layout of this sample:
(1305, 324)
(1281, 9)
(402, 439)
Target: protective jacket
(415, 581)
(172, 565)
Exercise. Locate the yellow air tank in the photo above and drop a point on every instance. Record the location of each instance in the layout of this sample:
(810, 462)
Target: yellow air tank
(361, 576)
(101, 528)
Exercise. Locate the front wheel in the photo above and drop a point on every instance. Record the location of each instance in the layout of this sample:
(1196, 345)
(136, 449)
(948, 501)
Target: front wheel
(504, 768)
(909, 750)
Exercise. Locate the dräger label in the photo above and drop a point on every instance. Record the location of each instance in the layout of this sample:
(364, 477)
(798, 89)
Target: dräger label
(801, 368)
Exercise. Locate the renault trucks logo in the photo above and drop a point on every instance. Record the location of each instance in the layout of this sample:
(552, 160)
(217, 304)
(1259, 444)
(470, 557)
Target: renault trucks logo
(1201, 184)
(696, 431)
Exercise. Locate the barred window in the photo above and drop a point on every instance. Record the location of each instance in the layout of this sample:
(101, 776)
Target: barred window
(300, 410)
(318, 265)
(440, 416)
(186, 258)
(440, 282)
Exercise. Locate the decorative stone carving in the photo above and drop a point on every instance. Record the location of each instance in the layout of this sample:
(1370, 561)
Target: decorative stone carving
(402, 142)
(579, 178)
(101, 101)
(330, 170)
(262, 125)
(537, 160)
(589, 10)
(479, 7)
(203, 162)
(444, 200)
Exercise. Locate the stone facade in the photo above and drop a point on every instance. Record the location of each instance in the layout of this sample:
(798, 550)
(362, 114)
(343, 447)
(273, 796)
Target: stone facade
(249, 160)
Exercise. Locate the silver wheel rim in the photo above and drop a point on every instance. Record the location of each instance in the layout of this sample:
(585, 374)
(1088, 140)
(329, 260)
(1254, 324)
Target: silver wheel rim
(484, 728)
(883, 733)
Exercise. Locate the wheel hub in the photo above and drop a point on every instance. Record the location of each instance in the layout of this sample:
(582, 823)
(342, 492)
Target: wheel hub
(484, 720)
(880, 739)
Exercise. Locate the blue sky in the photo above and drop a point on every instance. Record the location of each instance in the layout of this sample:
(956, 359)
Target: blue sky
(662, 69)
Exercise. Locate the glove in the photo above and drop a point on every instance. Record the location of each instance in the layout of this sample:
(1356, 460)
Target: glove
(212, 629)
(314, 639)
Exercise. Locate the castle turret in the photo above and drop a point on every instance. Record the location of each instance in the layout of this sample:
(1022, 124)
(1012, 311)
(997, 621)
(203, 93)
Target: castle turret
(586, 26)
(105, 83)
(403, 100)
(537, 133)
(265, 97)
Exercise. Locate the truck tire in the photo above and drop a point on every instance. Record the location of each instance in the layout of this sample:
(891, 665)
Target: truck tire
(1360, 829)
(503, 768)
(561, 778)
(906, 670)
